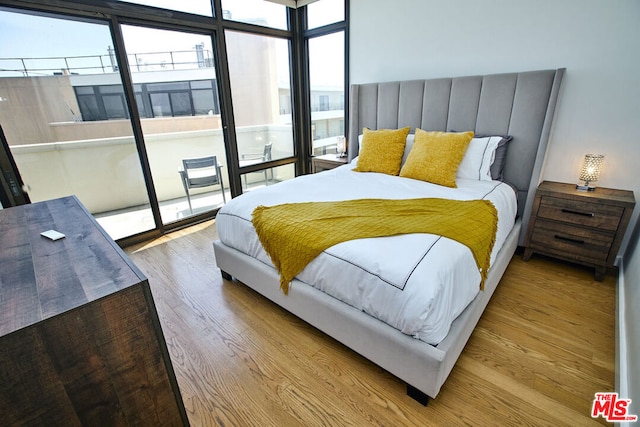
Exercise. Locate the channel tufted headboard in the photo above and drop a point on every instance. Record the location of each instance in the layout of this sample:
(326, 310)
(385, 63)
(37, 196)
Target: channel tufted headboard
(496, 104)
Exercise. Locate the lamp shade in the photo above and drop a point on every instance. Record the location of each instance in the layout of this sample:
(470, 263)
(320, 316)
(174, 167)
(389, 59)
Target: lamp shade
(341, 145)
(591, 168)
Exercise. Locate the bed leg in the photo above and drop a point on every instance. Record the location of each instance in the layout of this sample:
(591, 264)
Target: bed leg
(225, 275)
(417, 395)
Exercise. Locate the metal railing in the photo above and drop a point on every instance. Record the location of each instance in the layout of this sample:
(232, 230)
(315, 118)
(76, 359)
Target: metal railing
(102, 64)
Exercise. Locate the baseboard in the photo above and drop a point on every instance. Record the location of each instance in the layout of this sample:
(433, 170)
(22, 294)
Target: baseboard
(622, 355)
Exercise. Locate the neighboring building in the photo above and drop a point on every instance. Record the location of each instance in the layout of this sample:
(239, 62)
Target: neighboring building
(66, 98)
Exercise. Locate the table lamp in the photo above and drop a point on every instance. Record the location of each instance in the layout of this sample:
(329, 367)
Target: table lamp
(590, 171)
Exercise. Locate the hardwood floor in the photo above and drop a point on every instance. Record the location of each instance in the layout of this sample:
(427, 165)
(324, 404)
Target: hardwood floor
(543, 347)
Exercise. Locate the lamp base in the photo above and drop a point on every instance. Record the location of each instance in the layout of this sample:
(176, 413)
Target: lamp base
(585, 187)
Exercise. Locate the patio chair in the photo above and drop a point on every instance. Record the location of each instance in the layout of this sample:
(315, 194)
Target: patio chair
(250, 159)
(201, 172)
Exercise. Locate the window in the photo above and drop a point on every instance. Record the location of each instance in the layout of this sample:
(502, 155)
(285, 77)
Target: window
(200, 7)
(172, 67)
(325, 12)
(260, 85)
(257, 12)
(324, 103)
(204, 98)
(114, 106)
(327, 74)
(167, 99)
(101, 102)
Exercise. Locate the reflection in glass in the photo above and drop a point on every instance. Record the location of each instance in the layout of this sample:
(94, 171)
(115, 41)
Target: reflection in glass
(326, 71)
(257, 12)
(63, 113)
(259, 70)
(324, 12)
(175, 87)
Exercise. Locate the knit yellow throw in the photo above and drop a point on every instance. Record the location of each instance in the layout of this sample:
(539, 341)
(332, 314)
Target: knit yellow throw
(294, 234)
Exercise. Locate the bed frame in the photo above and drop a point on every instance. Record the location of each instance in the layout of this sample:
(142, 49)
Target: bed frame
(518, 104)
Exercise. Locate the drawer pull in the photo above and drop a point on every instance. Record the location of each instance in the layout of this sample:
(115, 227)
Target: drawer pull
(569, 239)
(591, 214)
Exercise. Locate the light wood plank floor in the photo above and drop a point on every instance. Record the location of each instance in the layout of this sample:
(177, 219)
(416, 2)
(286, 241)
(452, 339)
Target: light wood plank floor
(543, 347)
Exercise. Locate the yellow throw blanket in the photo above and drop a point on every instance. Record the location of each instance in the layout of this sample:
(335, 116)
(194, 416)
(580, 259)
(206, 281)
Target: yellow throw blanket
(294, 234)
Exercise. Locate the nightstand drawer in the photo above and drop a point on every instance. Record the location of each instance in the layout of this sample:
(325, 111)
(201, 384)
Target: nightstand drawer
(604, 217)
(570, 241)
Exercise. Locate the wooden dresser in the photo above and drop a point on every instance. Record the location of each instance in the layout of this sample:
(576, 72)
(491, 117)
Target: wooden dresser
(585, 227)
(80, 339)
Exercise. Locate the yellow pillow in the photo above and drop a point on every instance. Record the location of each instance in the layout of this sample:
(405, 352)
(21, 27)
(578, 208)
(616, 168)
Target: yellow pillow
(435, 156)
(381, 150)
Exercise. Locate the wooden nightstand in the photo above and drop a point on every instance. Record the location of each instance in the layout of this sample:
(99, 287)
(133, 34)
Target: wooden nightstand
(326, 162)
(585, 227)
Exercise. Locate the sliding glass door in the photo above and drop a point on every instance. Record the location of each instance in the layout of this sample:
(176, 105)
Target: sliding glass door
(64, 117)
(176, 95)
(64, 111)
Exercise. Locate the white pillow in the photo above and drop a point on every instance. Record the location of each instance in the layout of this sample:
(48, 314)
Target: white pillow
(477, 160)
(407, 147)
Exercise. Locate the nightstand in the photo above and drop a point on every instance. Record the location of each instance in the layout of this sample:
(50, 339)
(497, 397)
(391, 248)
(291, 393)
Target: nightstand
(326, 162)
(585, 227)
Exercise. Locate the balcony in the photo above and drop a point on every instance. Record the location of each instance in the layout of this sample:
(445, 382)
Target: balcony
(105, 174)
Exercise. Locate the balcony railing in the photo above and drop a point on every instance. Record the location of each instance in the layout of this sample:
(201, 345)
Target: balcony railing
(103, 64)
(105, 173)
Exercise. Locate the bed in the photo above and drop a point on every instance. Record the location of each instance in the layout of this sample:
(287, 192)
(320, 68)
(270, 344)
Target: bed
(347, 291)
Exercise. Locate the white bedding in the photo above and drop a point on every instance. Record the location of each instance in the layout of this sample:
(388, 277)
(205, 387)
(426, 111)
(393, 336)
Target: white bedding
(417, 283)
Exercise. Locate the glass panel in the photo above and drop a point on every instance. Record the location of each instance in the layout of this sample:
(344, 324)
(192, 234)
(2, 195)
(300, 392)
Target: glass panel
(89, 108)
(160, 104)
(115, 107)
(180, 104)
(199, 7)
(259, 69)
(141, 108)
(254, 180)
(325, 12)
(257, 12)
(60, 139)
(326, 70)
(176, 130)
(203, 102)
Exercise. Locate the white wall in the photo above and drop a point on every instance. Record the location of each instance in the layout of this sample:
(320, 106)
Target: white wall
(598, 41)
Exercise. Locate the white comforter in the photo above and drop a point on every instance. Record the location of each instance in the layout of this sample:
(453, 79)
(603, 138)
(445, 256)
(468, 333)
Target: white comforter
(417, 283)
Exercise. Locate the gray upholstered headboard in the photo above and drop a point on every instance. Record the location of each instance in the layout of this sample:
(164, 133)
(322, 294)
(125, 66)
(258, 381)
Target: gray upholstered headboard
(521, 105)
